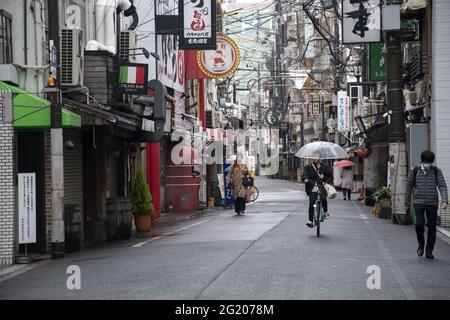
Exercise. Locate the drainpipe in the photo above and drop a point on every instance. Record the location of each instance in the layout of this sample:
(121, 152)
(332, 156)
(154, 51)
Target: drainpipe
(25, 25)
(36, 46)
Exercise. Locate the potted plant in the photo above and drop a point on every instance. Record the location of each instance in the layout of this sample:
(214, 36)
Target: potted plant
(383, 200)
(141, 202)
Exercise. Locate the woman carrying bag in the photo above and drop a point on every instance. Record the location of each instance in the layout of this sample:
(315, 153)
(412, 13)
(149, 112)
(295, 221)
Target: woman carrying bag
(236, 177)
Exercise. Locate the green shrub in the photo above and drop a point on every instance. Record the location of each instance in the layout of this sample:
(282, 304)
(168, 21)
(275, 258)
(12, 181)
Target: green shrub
(141, 198)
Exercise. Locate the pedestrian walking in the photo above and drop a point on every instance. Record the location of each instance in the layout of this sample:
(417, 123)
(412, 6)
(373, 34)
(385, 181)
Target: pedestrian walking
(316, 172)
(423, 183)
(347, 182)
(235, 176)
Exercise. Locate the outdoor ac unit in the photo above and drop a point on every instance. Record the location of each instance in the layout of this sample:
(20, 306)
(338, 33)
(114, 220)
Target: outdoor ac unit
(71, 57)
(127, 42)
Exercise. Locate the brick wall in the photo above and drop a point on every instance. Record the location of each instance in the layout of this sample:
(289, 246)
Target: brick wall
(7, 198)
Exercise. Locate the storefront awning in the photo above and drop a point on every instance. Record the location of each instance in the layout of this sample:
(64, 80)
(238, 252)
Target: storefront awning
(33, 112)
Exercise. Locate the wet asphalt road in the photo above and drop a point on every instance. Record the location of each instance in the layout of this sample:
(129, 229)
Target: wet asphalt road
(267, 254)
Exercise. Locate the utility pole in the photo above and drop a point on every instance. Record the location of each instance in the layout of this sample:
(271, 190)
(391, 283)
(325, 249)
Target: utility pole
(322, 109)
(396, 127)
(56, 141)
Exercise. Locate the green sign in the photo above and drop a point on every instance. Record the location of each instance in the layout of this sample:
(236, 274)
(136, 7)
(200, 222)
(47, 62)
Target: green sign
(377, 60)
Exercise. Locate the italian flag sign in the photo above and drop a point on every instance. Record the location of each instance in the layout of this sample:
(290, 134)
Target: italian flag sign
(133, 75)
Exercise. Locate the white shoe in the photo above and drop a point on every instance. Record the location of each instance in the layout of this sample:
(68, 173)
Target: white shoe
(310, 224)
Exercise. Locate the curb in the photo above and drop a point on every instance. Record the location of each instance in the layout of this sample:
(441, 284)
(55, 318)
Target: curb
(18, 269)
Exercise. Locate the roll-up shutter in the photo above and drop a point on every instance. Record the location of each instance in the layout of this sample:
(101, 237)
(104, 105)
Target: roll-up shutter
(73, 167)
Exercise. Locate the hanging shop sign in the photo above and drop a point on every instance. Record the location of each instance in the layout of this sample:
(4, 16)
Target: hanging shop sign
(361, 22)
(133, 78)
(309, 107)
(27, 207)
(198, 24)
(377, 62)
(343, 112)
(316, 107)
(222, 62)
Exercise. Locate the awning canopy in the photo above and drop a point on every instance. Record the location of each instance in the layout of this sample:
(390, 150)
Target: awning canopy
(33, 112)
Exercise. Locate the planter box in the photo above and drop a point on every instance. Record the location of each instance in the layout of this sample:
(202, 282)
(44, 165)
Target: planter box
(385, 213)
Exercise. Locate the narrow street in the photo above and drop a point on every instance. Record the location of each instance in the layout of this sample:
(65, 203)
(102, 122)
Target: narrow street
(267, 254)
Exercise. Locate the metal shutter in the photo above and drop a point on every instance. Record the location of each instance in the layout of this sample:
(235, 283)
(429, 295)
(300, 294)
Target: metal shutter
(73, 168)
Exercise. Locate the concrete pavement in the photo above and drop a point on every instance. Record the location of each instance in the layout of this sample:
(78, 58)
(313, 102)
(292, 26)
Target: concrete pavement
(267, 254)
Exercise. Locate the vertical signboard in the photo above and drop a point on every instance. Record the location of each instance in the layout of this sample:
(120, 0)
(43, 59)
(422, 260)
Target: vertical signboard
(228, 190)
(377, 62)
(343, 110)
(309, 107)
(361, 21)
(170, 68)
(316, 107)
(27, 207)
(198, 24)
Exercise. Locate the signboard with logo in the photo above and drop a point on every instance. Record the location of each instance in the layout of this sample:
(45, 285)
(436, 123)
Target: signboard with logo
(222, 62)
(198, 24)
(361, 21)
(343, 112)
(27, 207)
(133, 78)
(377, 62)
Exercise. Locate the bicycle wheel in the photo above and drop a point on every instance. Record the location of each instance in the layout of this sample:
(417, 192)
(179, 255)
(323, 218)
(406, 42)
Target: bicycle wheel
(318, 208)
(254, 194)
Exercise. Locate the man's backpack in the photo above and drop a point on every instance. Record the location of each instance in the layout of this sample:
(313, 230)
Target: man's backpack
(416, 170)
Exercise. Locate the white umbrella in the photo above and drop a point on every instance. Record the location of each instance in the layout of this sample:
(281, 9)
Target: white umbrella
(323, 150)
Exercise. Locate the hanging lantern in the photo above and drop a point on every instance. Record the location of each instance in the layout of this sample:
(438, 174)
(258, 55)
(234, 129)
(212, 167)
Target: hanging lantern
(363, 153)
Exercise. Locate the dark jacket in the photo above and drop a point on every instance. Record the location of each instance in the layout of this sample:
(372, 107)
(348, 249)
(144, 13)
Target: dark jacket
(310, 174)
(425, 188)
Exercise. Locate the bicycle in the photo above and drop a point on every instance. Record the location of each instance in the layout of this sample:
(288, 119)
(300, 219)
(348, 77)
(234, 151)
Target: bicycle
(254, 194)
(318, 210)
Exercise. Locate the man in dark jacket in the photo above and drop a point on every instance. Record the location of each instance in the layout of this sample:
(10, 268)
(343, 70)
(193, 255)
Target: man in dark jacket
(316, 172)
(423, 182)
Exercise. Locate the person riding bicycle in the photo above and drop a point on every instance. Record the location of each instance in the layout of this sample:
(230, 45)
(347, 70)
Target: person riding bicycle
(316, 173)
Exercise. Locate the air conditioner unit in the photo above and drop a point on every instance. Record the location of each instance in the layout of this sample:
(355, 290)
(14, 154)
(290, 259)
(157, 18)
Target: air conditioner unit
(71, 57)
(127, 42)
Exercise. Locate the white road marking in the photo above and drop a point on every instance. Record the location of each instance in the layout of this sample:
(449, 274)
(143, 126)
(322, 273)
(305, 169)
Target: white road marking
(363, 216)
(140, 244)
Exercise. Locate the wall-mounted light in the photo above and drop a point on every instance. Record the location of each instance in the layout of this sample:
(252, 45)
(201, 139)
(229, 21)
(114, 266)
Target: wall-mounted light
(69, 144)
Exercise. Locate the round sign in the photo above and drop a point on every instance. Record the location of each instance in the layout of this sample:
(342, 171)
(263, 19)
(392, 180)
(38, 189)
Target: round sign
(223, 61)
